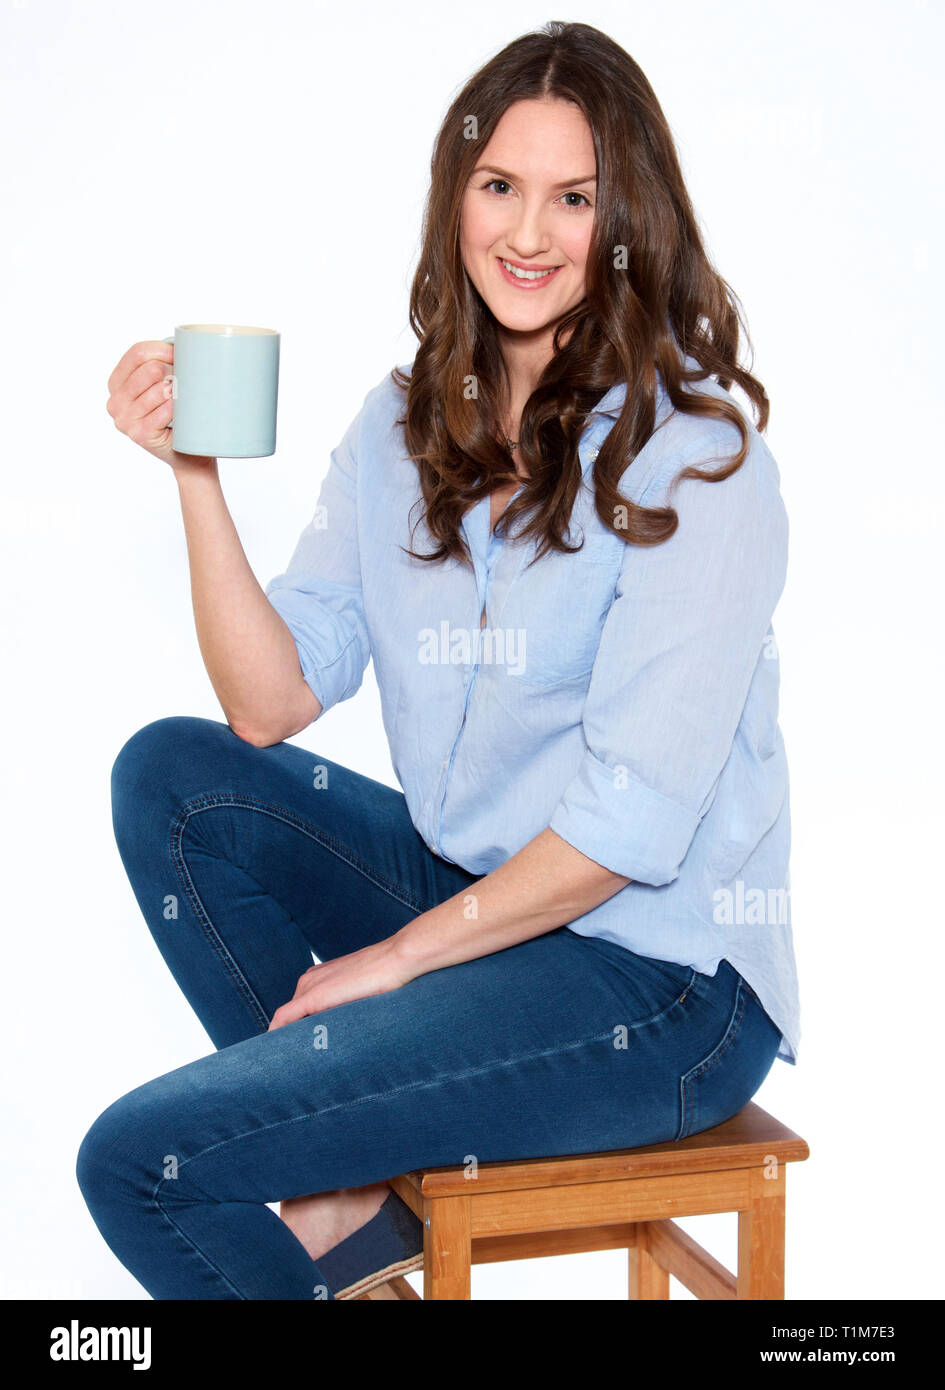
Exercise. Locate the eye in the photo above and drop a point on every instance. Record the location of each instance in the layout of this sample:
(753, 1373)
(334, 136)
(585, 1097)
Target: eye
(576, 206)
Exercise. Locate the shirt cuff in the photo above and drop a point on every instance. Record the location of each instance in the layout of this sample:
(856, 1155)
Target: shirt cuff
(623, 825)
(316, 629)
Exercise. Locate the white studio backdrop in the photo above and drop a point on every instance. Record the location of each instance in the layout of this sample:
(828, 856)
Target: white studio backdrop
(202, 161)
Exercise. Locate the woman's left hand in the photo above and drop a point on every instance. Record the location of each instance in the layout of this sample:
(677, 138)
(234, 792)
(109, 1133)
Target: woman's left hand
(374, 969)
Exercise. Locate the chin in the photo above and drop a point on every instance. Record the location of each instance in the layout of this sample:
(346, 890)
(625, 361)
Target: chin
(532, 325)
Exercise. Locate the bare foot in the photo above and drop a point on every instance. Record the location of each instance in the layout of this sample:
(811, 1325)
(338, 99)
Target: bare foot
(323, 1219)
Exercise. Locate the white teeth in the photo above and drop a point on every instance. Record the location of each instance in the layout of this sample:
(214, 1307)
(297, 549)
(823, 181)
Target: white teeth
(527, 274)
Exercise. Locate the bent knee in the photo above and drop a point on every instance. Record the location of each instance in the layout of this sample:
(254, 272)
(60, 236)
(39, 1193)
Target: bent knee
(108, 1158)
(170, 756)
(130, 1149)
(164, 741)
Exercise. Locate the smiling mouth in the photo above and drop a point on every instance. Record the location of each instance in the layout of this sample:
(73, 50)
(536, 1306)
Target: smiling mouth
(529, 278)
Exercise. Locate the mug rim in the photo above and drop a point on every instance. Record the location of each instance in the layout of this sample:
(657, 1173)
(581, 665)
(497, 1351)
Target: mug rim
(227, 330)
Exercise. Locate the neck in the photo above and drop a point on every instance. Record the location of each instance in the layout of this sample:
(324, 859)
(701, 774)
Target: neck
(526, 355)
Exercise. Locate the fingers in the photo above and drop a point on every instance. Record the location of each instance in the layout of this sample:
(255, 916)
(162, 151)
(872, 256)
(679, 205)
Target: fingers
(302, 1002)
(137, 390)
(140, 354)
(305, 980)
(142, 378)
(147, 413)
(289, 1013)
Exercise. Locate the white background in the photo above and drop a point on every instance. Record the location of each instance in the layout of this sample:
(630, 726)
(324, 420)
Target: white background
(267, 164)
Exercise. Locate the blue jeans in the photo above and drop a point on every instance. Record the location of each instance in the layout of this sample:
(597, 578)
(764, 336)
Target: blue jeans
(246, 860)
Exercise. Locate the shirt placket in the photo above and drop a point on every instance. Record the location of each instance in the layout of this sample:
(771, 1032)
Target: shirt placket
(497, 565)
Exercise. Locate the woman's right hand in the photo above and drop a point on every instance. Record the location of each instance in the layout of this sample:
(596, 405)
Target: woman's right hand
(141, 405)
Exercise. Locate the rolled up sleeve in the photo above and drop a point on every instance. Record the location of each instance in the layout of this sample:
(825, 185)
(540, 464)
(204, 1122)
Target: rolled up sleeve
(678, 651)
(320, 595)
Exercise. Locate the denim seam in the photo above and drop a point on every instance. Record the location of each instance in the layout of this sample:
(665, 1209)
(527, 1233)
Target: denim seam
(210, 801)
(422, 1085)
(721, 1047)
(217, 943)
(614, 985)
(191, 1242)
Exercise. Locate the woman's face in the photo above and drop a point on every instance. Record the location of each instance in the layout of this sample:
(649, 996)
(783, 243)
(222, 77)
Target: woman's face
(531, 201)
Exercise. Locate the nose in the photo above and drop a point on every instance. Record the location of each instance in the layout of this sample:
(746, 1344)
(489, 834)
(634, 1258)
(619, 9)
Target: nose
(526, 237)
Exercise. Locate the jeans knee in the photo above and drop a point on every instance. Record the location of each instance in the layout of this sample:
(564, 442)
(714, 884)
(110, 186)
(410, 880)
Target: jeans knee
(155, 745)
(105, 1164)
(163, 762)
(129, 1153)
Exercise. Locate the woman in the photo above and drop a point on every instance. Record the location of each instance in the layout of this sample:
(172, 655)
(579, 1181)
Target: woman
(569, 932)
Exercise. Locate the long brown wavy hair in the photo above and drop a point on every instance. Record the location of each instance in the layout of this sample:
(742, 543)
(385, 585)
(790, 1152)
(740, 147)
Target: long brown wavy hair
(622, 331)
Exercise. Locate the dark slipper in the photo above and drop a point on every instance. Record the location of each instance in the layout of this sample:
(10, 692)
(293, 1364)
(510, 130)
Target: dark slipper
(391, 1243)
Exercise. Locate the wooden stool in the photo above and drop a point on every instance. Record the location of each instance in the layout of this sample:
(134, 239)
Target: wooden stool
(604, 1201)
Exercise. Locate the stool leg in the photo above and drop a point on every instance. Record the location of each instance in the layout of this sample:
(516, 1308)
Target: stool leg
(447, 1247)
(761, 1235)
(647, 1279)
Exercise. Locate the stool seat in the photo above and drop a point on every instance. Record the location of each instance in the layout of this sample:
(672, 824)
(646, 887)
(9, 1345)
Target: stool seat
(626, 1198)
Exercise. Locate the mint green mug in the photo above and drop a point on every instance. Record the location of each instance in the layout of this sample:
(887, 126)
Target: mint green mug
(225, 392)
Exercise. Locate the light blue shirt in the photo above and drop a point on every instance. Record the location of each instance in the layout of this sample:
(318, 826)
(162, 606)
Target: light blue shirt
(625, 696)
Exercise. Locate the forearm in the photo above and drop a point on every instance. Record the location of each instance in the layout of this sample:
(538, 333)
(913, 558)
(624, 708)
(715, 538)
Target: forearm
(547, 884)
(248, 650)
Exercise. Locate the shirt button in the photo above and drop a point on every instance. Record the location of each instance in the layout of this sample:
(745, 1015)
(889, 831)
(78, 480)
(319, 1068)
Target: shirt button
(446, 762)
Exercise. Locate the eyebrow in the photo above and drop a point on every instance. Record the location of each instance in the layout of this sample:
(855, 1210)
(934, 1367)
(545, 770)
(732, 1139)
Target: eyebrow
(513, 178)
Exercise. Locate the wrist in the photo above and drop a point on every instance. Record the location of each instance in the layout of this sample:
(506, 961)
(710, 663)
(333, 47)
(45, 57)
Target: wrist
(190, 467)
(410, 949)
